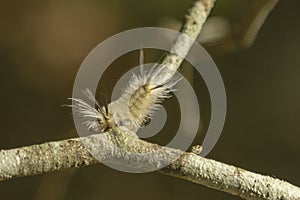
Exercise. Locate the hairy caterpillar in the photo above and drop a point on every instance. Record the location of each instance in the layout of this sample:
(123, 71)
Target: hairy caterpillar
(138, 103)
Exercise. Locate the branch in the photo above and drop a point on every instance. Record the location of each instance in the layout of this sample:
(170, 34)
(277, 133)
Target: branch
(110, 146)
(191, 27)
(54, 156)
(247, 32)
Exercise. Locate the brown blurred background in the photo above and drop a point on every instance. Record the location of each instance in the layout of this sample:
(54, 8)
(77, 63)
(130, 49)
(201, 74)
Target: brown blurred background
(42, 44)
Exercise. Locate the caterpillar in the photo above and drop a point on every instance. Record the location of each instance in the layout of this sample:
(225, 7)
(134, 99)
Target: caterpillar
(142, 97)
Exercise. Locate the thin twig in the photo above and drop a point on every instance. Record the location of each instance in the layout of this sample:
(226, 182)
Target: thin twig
(191, 27)
(247, 29)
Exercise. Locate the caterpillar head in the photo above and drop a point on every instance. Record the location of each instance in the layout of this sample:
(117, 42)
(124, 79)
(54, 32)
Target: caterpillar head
(95, 118)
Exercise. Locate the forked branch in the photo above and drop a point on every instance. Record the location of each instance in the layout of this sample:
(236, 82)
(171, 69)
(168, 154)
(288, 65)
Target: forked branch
(59, 155)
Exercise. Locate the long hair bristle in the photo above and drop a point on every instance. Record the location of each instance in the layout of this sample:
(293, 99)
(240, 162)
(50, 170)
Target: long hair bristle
(142, 97)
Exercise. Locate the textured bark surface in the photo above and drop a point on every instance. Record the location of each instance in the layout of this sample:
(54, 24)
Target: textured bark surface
(110, 147)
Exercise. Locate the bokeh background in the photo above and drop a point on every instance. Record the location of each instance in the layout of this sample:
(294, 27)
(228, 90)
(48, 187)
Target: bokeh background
(43, 43)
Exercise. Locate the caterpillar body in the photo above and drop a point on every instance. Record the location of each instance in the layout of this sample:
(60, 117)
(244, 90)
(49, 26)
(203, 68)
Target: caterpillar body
(141, 98)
